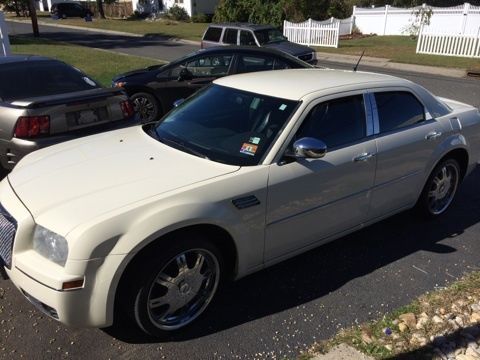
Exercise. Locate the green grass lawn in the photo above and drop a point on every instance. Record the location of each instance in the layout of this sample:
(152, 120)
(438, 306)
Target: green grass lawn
(100, 65)
(176, 29)
(399, 49)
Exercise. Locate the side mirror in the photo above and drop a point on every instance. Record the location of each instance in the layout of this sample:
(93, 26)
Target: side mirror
(309, 148)
(185, 74)
(178, 102)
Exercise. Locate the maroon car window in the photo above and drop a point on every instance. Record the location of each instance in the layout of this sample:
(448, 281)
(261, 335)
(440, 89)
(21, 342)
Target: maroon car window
(30, 79)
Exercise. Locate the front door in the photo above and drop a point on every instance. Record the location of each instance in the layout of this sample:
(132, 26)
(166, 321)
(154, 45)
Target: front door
(311, 199)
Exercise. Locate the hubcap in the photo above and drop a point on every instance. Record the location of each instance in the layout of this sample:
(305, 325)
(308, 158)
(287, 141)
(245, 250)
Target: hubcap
(442, 189)
(183, 289)
(145, 108)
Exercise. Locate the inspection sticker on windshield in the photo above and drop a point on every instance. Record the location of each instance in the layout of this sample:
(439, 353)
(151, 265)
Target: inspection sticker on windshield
(254, 140)
(282, 107)
(249, 149)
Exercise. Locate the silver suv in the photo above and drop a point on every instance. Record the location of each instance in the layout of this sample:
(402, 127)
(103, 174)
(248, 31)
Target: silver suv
(255, 35)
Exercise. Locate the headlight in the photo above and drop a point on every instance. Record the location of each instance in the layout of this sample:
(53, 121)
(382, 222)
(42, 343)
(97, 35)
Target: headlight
(53, 246)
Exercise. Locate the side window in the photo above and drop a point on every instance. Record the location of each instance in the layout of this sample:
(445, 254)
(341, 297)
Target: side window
(336, 122)
(251, 63)
(214, 65)
(246, 38)
(213, 34)
(398, 109)
(230, 36)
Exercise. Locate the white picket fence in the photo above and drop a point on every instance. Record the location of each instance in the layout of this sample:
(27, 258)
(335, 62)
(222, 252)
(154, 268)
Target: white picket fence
(311, 32)
(440, 43)
(4, 42)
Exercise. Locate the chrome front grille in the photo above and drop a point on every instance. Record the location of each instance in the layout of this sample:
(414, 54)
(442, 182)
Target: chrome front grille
(8, 228)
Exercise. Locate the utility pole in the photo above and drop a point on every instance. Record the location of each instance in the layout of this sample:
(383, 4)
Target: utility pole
(33, 16)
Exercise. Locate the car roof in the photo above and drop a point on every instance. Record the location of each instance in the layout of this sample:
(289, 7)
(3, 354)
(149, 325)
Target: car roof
(21, 58)
(243, 25)
(294, 84)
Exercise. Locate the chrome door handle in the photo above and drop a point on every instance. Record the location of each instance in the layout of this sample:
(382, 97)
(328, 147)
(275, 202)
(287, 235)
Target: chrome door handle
(433, 135)
(363, 157)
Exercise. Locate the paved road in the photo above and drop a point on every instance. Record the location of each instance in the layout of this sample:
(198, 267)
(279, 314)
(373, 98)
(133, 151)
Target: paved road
(282, 310)
(157, 47)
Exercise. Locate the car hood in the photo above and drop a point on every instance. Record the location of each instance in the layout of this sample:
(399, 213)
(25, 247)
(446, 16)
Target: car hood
(70, 183)
(290, 48)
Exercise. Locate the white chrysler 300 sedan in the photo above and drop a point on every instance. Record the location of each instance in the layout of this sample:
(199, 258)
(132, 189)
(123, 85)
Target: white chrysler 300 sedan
(249, 171)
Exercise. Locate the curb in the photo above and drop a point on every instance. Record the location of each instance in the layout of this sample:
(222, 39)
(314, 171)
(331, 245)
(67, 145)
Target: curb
(104, 31)
(386, 63)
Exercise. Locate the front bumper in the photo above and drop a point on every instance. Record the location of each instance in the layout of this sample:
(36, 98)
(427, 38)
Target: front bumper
(13, 150)
(41, 281)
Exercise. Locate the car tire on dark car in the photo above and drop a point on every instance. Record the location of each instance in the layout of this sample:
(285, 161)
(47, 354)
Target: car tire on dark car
(146, 106)
(167, 289)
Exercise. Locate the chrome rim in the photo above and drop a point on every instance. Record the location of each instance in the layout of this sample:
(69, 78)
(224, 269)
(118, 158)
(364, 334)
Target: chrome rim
(442, 188)
(183, 289)
(145, 108)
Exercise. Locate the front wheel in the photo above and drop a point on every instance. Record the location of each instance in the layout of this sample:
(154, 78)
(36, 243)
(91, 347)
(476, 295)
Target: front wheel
(440, 189)
(146, 106)
(171, 288)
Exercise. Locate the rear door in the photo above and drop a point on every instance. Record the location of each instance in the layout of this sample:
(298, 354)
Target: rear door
(406, 137)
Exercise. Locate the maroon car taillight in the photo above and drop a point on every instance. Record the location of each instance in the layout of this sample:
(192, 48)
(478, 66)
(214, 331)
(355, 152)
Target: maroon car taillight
(32, 126)
(127, 108)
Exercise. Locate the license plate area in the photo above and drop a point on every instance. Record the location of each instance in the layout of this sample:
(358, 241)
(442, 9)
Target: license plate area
(8, 228)
(86, 117)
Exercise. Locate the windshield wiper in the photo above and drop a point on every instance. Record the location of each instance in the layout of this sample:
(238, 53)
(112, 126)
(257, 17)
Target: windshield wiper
(181, 146)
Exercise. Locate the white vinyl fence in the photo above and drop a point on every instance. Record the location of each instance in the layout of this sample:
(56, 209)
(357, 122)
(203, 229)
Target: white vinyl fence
(435, 42)
(4, 42)
(311, 32)
(389, 20)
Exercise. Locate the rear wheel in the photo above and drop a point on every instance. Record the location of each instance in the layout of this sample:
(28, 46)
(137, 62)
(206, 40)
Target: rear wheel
(440, 188)
(146, 106)
(172, 287)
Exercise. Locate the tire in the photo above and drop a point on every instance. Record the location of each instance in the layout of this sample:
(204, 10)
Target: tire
(169, 288)
(440, 189)
(146, 106)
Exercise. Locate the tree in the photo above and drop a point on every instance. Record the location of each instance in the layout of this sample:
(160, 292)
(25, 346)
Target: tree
(100, 10)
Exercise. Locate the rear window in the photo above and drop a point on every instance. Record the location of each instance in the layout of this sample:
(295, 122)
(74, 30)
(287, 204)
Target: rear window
(213, 34)
(41, 78)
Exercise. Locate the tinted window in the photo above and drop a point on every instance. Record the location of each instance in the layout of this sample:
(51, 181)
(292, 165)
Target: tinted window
(246, 38)
(251, 63)
(280, 64)
(268, 36)
(398, 109)
(336, 122)
(213, 34)
(40, 78)
(230, 36)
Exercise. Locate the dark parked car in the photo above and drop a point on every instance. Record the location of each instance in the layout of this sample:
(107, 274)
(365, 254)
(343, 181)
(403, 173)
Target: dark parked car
(45, 101)
(154, 90)
(69, 9)
(255, 35)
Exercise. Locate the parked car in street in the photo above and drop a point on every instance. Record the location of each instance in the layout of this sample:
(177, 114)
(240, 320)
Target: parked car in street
(64, 10)
(266, 36)
(45, 101)
(154, 90)
(256, 168)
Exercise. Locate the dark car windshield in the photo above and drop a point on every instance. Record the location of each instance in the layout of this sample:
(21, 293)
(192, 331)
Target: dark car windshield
(31, 79)
(268, 36)
(225, 125)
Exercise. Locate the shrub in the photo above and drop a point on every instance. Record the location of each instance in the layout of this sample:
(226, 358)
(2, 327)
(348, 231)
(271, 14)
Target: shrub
(200, 18)
(178, 13)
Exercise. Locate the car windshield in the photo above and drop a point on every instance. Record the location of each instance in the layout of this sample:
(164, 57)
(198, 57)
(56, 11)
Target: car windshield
(225, 125)
(268, 36)
(29, 79)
